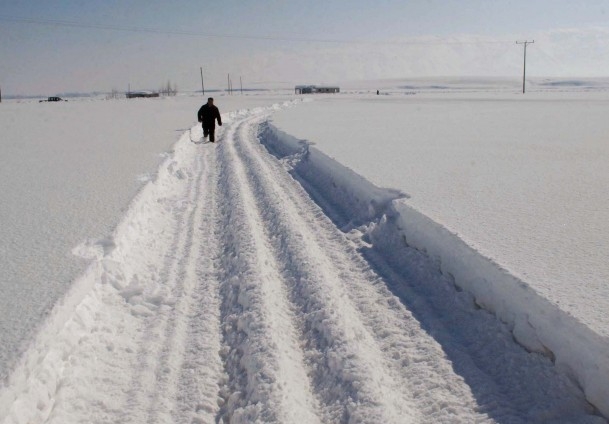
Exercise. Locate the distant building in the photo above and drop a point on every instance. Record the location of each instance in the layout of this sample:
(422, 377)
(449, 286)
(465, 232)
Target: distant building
(53, 99)
(135, 94)
(311, 89)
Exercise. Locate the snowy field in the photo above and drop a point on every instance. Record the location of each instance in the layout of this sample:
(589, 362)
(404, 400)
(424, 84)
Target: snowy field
(522, 179)
(68, 172)
(147, 278)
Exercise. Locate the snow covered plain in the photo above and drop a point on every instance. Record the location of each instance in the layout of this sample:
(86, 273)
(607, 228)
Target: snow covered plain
(522, 179)
(227, 292)
(68, 172)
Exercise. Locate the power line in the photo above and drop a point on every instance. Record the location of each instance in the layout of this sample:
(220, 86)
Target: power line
(73, 24)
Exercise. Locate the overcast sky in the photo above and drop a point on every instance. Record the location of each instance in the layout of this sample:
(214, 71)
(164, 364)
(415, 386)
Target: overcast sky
(49, 47)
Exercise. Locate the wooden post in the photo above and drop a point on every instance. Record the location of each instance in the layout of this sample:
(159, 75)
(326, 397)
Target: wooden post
(524, 69)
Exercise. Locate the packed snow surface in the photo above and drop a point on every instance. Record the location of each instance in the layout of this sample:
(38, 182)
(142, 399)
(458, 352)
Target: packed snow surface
(259, 279)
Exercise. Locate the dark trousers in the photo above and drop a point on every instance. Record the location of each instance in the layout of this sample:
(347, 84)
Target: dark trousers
(209, 129)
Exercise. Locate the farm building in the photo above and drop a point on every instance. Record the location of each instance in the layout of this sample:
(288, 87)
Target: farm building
(136, 94)
(309, 89)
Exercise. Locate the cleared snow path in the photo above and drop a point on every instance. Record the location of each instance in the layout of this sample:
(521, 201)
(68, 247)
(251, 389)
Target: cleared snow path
(228, 295)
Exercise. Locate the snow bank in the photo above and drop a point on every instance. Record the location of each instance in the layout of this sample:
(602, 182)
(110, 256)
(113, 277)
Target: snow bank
(536, 323)
(347, 190)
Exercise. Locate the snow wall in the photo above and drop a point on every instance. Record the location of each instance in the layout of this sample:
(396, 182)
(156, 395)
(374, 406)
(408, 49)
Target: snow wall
(393, 226)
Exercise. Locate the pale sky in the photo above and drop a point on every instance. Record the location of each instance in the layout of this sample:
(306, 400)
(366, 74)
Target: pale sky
(49, 47)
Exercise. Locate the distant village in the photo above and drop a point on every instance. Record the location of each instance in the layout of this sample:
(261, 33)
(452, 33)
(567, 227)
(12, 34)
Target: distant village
(172, 90)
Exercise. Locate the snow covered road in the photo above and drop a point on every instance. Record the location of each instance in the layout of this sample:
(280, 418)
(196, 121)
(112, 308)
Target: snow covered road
(228, 294)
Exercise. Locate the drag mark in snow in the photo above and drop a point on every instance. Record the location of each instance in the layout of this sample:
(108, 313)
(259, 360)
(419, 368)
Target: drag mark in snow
(158, 355)
(201, 370)
(139, 346)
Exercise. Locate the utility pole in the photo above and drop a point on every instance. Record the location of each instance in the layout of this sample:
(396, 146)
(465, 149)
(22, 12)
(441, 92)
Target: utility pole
(228, 84)
(524, 72)
(202, 85)
(241, 84)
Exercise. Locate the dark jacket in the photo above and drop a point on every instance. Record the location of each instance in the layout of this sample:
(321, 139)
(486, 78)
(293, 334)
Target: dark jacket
(208, 115)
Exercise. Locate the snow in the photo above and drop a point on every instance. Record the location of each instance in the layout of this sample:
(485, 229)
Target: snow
(156, 279)
(67, 174)
(504, 191)
(533, 168)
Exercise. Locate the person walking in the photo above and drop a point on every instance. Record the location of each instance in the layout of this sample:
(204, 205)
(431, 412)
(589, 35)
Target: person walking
(208, 114)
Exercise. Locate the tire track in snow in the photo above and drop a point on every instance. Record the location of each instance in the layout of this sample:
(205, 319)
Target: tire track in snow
(268, 376)
(348, 384)
(412, 362)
